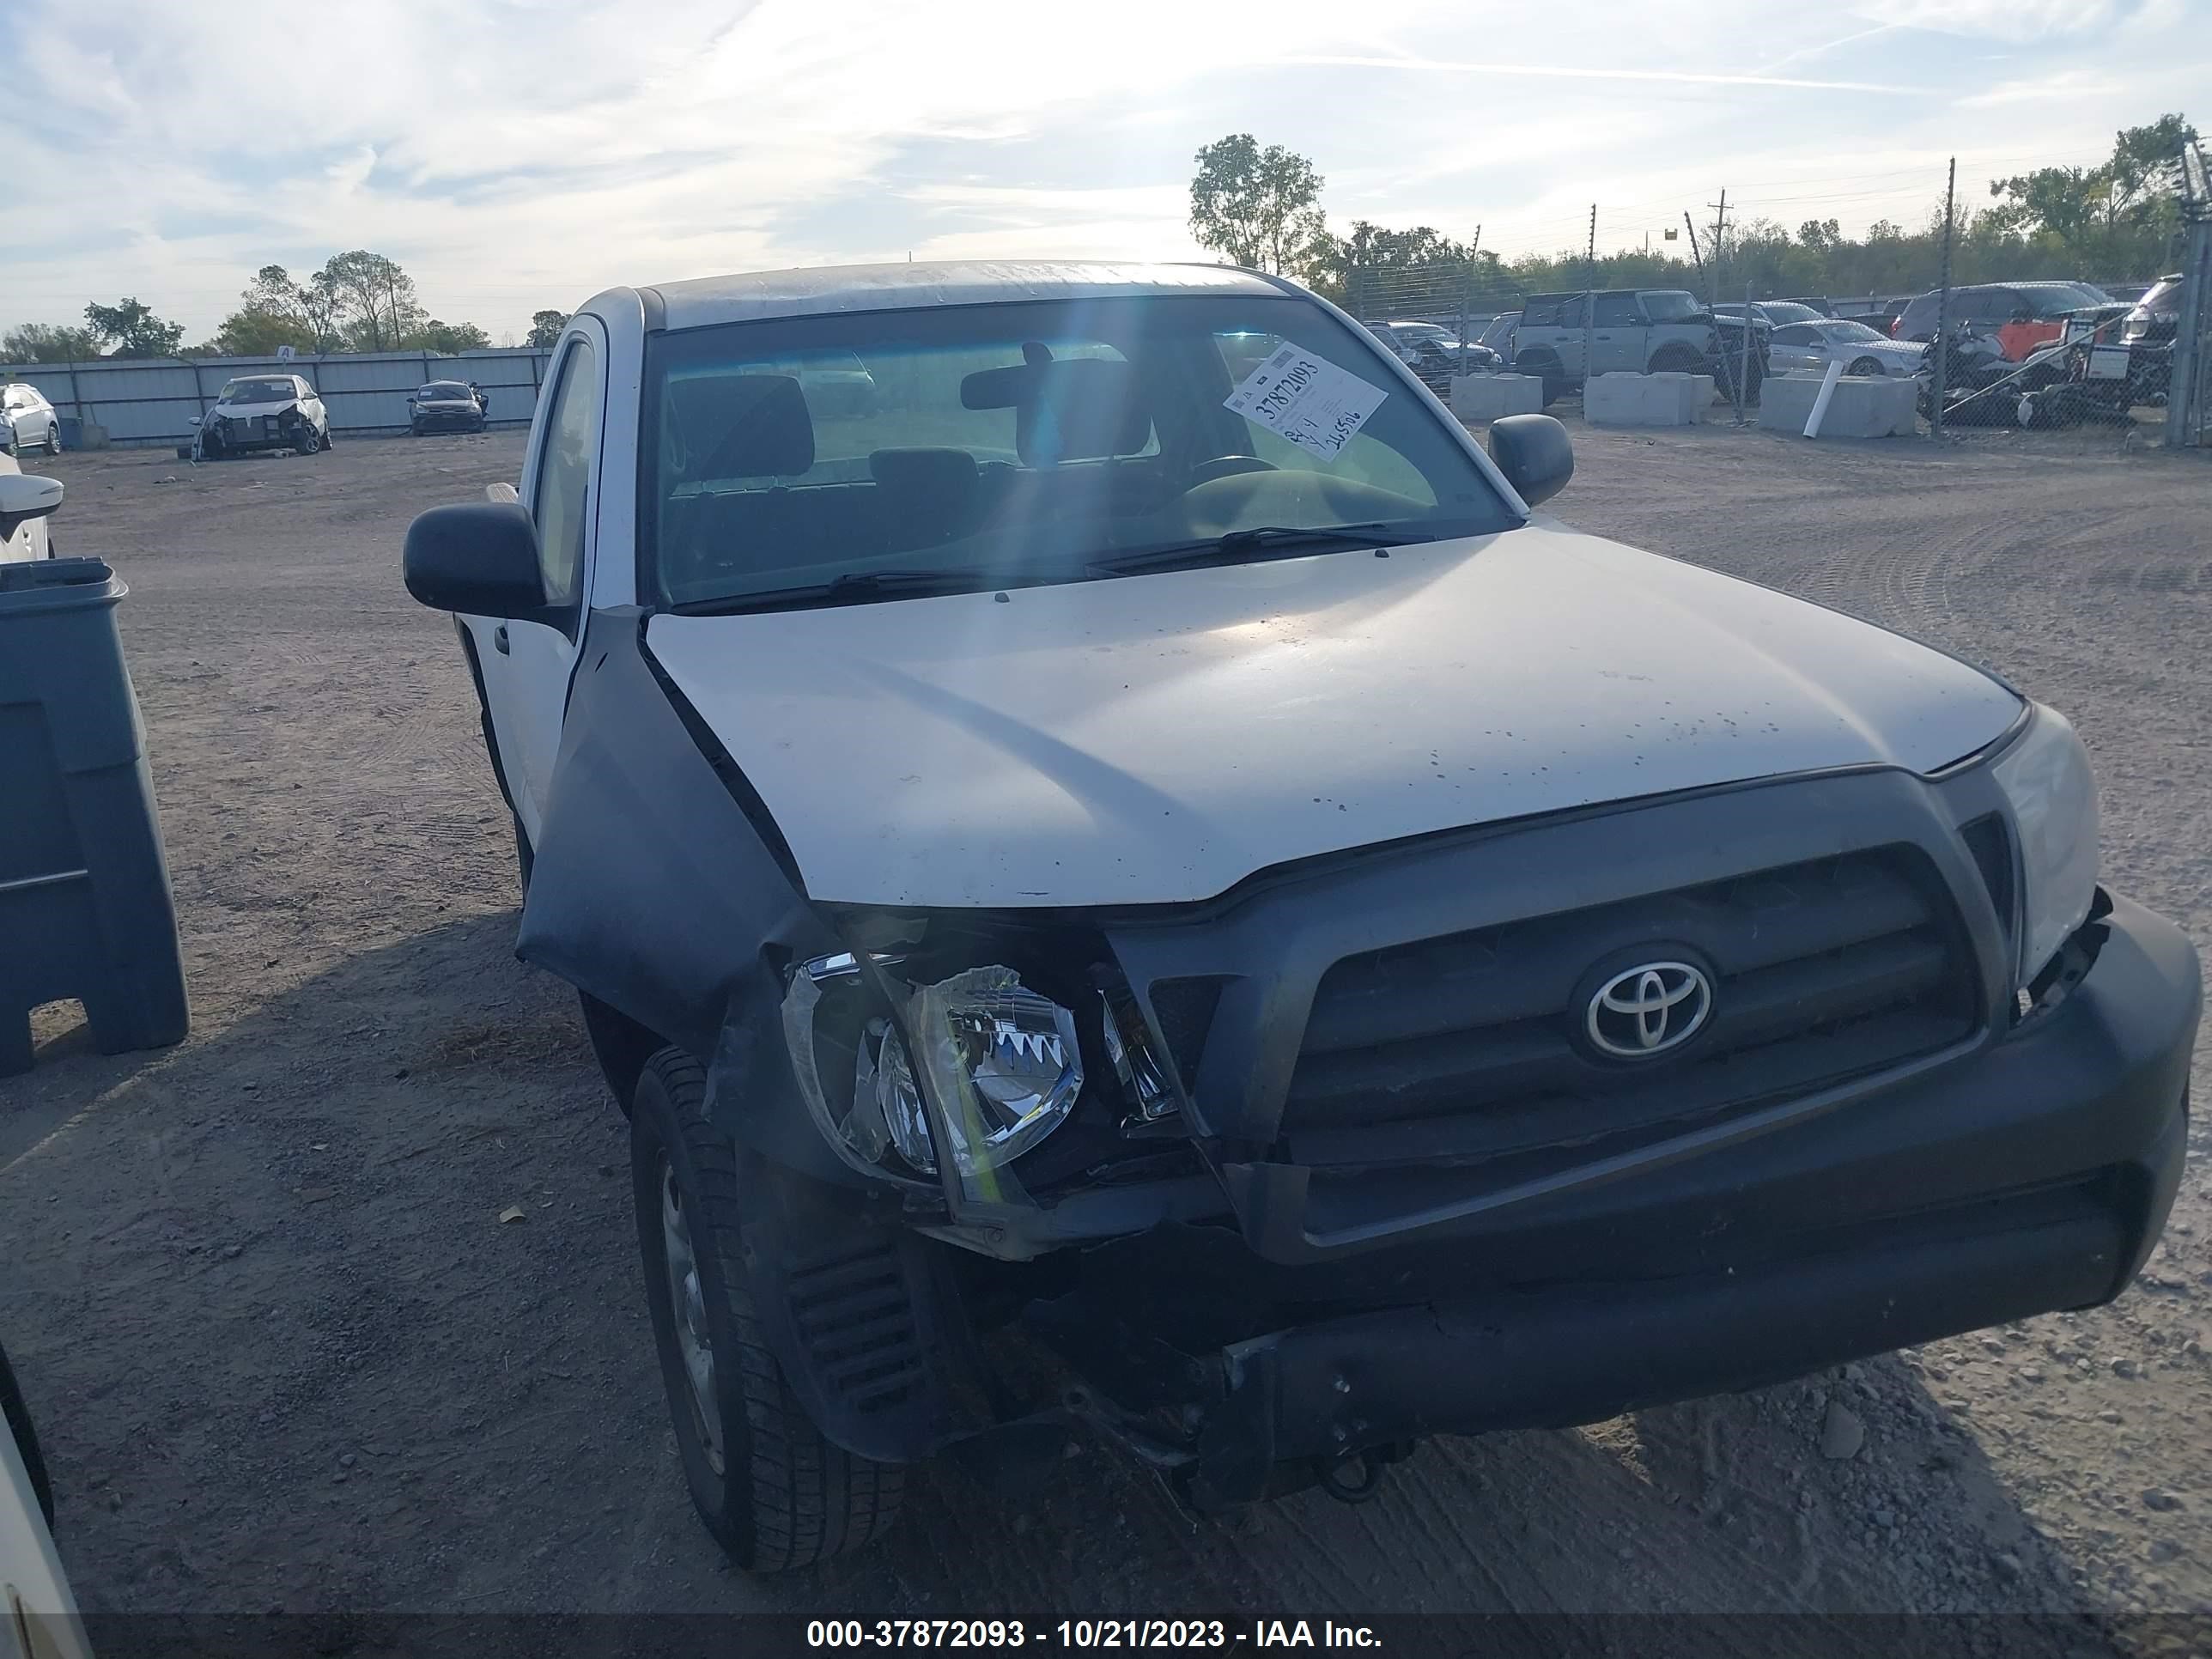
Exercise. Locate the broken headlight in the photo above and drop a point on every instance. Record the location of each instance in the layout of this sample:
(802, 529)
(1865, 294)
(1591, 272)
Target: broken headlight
(2047, 778)
(1000, 1059)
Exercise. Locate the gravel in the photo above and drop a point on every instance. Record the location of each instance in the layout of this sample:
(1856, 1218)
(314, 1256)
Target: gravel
(233, 1264)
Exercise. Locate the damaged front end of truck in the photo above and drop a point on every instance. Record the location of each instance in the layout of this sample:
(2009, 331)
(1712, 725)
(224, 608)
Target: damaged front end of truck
(953, 1106)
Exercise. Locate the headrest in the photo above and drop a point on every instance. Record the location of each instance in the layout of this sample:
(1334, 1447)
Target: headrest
(1078, 408)
(743, 426)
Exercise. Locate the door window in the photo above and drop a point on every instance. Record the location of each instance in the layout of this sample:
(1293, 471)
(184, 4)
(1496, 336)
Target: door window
(1797, 334)
(1617, 311)
(559, 508)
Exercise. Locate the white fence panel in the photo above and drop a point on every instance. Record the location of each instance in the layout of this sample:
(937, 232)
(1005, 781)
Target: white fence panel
(159, 400)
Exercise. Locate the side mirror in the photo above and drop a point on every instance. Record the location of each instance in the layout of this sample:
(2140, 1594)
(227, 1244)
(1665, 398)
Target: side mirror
(480, 560)
(25, 498)
(1533, 453)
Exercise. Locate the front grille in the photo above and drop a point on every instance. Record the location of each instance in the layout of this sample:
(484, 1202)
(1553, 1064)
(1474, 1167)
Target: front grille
(1820, 971)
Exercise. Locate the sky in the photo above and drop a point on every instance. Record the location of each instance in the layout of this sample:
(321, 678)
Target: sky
(514, 156)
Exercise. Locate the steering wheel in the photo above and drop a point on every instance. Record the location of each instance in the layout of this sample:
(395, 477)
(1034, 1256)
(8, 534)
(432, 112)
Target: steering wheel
(1227, 466)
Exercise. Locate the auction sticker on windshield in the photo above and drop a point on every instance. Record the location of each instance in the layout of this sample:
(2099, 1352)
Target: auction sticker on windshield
(1310, 401)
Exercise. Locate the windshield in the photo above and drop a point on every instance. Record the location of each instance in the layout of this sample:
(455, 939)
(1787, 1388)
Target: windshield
(1787, 311)
(1852, 331)
(1020, 443)
(439, 392)
(1670, 305)
(257, 391)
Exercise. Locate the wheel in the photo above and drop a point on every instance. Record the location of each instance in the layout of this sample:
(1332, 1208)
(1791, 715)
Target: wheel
(1865, 366)
(311, 442)
(53, 437)
(775, 1493)
(1547, 370)
(1726, 370)
(1674, 360)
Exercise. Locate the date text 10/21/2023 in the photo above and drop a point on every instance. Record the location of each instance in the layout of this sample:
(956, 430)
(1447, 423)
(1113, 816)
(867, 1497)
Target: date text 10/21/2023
(1009, 1635)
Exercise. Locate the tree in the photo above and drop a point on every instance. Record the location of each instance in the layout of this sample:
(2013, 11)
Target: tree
(545, 327)
(253, 331)
(310, 308)
(1421, 271)
(2119, 216)
(449, 338)
(373, 299)
(1821, 235)
(133, 330)
(47, 343)
(1260, 208)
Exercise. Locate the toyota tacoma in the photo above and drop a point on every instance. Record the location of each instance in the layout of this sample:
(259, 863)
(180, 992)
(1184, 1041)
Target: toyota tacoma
(1145, 885)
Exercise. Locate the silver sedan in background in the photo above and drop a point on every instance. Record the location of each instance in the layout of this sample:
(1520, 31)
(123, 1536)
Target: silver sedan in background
(1861, 350)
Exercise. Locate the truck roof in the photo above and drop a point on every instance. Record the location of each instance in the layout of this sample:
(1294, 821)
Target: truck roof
(752, 296)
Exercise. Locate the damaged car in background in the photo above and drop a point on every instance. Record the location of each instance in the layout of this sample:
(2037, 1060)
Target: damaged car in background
(260, 412)
(1145, 886)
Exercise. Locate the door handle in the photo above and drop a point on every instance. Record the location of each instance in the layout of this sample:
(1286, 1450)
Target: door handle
(499, 639)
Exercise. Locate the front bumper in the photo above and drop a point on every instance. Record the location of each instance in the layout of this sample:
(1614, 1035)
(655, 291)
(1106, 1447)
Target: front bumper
(441, 421)
(238, 438)
(2032, 1177)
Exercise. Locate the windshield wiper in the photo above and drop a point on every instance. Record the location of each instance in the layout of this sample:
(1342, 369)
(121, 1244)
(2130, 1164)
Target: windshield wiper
(854, 587)
(1260, 539)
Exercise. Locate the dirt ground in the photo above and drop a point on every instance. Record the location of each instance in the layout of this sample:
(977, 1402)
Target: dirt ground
(284, 1355)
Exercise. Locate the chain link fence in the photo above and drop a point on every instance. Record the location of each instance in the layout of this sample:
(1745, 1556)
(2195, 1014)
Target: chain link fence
(1990, 335)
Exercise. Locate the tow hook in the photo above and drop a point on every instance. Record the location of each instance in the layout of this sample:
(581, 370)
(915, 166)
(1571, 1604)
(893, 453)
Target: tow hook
(1339, 1480)
(1353, 1477)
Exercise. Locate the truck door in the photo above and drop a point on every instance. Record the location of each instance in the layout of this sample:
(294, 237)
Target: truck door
(1570, 335)
(527, 665)
(1620, 335)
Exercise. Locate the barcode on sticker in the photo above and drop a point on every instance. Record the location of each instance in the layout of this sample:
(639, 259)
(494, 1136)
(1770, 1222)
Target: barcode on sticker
(1306, 399)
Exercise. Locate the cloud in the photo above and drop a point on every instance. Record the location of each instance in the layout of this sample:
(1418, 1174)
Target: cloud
(514, 156)
(1591, 72)
(2064, 85)
(2002, 20)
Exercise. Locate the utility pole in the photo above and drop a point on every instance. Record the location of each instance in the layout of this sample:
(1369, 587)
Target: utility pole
(1709, 274)
(1590, 310)
(1943, 306)
(1720, 236)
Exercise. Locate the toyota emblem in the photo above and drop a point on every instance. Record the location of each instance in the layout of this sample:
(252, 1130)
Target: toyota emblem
(1649, 1010)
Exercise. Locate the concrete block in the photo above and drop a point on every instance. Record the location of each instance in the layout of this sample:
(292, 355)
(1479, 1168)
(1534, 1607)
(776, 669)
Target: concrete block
(1862, 407)
(1704, 396)
(1638, 400)
(1476, 398)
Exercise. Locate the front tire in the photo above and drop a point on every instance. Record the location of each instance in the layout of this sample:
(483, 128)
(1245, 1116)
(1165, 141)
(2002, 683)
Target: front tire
(775, 1493)
(1866, 366)
(54, 438)
(1546, 370)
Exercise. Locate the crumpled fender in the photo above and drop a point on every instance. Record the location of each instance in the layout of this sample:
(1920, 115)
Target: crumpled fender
(661, 887)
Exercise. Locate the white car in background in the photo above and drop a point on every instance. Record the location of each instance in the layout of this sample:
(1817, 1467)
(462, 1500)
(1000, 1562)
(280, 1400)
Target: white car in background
(1861, 350)
(27, 421)
(25, 504)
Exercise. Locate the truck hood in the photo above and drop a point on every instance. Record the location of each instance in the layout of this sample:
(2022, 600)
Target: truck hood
(1157, 739)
